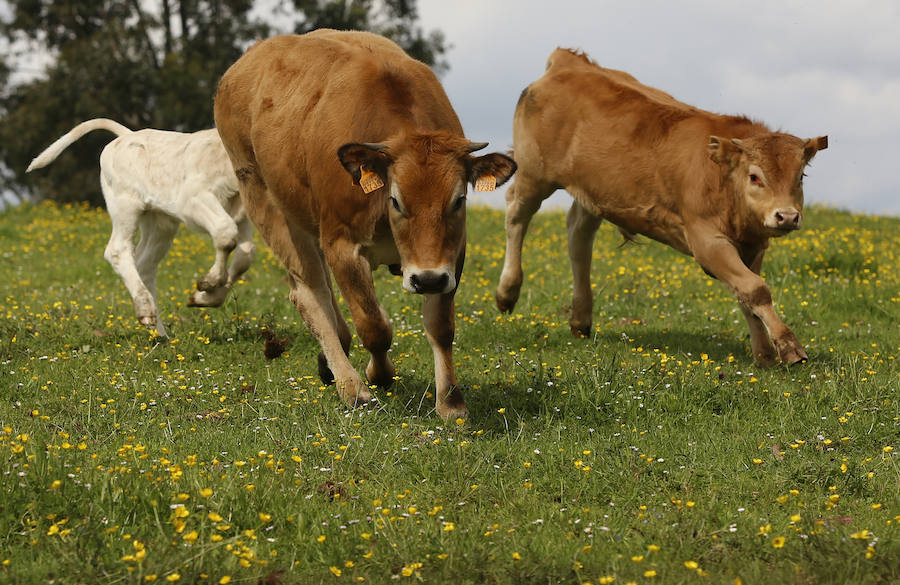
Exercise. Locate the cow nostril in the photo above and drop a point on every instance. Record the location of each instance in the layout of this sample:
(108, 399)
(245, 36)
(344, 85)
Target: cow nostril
(787, 218)
(429, 282)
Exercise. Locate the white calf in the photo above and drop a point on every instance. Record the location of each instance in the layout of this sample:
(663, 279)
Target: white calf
(152, 181)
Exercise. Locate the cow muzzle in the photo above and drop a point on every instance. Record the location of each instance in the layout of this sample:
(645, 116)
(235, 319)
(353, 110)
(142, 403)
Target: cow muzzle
(786, 219)
(428, 282)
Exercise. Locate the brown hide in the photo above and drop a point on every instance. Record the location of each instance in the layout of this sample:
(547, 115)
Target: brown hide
(711, 186)
(349, 155)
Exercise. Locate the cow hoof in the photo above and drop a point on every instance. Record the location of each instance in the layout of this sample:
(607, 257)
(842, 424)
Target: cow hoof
(382, 377)
(581, 331)
(453, 406)
(211, 298)
(793, 357)
(197, 299)
(361, 396)
(764, 360)
(325, 373)
(506, 304)
(148, 321)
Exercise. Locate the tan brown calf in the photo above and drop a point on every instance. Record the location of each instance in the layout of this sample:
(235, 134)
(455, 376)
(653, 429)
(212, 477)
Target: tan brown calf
(349, 155)
(711, 186)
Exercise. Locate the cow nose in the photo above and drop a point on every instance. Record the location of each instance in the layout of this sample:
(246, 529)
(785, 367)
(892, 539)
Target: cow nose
(787, 219)
(429, 281)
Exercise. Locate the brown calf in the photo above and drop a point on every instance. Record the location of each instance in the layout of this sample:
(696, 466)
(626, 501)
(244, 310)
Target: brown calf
(711, 186)
(349, 155)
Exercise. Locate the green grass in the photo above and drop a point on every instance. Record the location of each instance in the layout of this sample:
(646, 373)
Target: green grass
(653, 452)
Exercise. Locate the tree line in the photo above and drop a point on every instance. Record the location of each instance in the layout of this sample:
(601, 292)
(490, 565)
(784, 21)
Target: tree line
(146, 64)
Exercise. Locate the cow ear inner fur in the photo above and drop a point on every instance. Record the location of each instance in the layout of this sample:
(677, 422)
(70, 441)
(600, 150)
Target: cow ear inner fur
(356, 156)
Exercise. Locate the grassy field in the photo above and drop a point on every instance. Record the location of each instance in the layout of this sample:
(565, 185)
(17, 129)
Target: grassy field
(653, 452)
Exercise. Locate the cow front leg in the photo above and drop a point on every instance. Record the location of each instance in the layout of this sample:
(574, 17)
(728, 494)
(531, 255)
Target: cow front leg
(310, 285)
(354, 278)
(764, 351)
(581, 227)
(789, 348)
(523, 199)
(438, 315)
(315, 307)
(720, 258)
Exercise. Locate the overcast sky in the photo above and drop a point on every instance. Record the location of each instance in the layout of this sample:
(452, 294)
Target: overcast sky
(807, 67)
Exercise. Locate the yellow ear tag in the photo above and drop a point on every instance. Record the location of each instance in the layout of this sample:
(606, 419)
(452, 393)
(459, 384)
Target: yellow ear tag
(486, 183)
(369, 180)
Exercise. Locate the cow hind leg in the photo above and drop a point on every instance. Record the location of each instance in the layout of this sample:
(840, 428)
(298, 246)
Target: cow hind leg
(125, 215)
(205, 210)
(157, 232)
(243, 253)
(241, 258)
(581, 227)
(523, 199)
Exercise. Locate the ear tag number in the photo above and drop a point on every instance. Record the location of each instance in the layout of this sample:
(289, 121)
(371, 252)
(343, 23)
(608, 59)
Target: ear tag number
(369, 180)
(486, 183)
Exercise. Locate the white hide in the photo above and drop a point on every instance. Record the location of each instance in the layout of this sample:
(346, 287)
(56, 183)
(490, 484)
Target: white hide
(153, 181)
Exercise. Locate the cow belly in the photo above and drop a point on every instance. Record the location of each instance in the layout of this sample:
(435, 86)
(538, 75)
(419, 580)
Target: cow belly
(649, 219)
(665, 233)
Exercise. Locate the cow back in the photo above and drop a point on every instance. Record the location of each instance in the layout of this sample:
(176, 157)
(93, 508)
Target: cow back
(633, 153)
(291, 101)
(164, 169)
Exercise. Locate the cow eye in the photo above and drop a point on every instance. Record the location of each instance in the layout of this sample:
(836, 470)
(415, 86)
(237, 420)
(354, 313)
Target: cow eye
(754, 178)
(459, 203)
(395, 203)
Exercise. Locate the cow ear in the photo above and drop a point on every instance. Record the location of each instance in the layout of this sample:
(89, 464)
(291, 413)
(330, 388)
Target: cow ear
(814, 145)
(489, 171)
(724, 151)
(357, 158)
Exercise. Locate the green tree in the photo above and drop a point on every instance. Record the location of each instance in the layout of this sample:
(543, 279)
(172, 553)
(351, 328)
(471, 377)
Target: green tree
(395, 19)
(147, 64)
(120, 59)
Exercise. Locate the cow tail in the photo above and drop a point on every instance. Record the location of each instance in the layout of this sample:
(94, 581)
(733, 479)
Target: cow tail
(54, 150)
